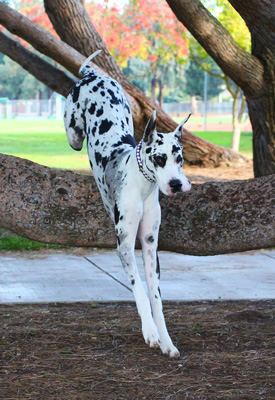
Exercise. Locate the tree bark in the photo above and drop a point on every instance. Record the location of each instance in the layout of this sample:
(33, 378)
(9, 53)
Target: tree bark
(56, 206)
(260, 19)
(46, 73)
(254, 73)
(196, 150)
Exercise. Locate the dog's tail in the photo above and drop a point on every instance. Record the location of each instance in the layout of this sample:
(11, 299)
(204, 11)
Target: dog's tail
(85, 68)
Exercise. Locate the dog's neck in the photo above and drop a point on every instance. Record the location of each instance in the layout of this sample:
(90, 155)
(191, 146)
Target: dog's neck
(140, 163)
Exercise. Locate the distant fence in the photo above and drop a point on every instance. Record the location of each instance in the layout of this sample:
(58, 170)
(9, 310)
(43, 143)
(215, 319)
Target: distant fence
(54, 108)
(32, 109)
(221, 108)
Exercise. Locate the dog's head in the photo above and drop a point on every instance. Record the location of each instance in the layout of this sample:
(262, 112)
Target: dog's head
(162, 155)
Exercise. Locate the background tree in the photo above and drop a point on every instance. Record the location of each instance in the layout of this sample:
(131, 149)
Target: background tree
(237, 28)
(195, 84)
(252, 72)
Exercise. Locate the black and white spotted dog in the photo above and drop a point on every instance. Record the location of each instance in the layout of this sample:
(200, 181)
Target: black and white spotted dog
(129, 178)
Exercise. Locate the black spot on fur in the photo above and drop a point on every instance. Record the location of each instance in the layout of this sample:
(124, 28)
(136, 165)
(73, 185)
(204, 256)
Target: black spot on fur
(100, 84)
(149, 239)
(104, 162)
(105, 126)
(99, 112)
(127, 160)
(159, 292)
(175, 149)
(72, 122)
(116, 213)
(132, 282)
(97, 143)
(148, 150)
(117, 144)
(95, 88)
(92, 108)
(158, 268)
(114, 99)
(98, 158)
(75, 93)
(160, 135)
(94, 131)
(102, 93)
(91, 164)
(86, 81)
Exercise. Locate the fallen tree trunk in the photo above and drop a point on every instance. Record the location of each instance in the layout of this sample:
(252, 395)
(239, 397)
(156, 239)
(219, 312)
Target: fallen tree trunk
(196, 150)
(55, 206)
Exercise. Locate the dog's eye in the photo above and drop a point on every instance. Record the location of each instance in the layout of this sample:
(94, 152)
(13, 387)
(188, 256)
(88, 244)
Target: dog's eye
(179, 159)
(160, 160)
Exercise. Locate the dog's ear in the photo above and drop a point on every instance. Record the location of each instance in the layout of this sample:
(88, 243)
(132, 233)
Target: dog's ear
(150, 129)
(178, 131)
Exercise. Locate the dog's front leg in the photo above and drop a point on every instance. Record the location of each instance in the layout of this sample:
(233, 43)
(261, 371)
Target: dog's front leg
(148, 234)
(126, 228)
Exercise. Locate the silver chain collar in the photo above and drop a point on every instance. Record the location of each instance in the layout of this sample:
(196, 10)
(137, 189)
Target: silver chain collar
(140, 165)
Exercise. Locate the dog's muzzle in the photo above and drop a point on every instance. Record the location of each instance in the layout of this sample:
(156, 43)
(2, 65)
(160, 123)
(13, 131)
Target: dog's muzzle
(175, 185)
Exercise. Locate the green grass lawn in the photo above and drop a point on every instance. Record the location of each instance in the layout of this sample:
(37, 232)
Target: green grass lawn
(225, 138)
(45, 142)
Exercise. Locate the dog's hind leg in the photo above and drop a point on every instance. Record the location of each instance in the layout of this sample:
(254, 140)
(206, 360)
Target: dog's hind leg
(126, 229)
(148, 234)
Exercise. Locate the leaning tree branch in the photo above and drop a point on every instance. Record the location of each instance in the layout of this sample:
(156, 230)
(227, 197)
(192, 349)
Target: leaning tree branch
(46, 73)
(57, 206)
(40, 39)
(245, 69)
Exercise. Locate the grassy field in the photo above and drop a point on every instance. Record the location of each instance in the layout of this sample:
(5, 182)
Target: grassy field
(45, 142)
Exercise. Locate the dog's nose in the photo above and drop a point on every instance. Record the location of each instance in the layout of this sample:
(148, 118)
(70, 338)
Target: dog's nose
(175, 185)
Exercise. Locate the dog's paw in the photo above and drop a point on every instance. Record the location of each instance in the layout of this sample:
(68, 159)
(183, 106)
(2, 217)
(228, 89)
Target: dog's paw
(151, 336)
(169, 350)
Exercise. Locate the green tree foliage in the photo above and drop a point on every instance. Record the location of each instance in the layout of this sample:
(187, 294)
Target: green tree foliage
(16, 83)
(195, 81)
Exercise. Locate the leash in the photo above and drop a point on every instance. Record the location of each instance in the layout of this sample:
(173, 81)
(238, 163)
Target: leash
(140, 165)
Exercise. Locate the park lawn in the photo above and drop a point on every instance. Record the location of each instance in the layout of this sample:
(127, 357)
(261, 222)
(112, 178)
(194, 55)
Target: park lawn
(45, 142)
(225, 139)
(41, 141)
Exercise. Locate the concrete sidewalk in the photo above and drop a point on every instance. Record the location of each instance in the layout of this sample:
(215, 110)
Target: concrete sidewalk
(99, 276)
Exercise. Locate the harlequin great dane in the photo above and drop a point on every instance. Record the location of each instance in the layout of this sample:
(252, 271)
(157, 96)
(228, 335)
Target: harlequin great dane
(129, 178)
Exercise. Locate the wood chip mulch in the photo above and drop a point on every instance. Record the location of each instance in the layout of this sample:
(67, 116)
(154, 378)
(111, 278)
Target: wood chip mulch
(96, 351)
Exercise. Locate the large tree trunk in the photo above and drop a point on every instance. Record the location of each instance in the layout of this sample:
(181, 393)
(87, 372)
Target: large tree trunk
(260, 19)
(254, 73)
(56, 206)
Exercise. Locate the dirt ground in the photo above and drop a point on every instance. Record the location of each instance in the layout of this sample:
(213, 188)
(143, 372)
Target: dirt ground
(200, 175)
(96, 351)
